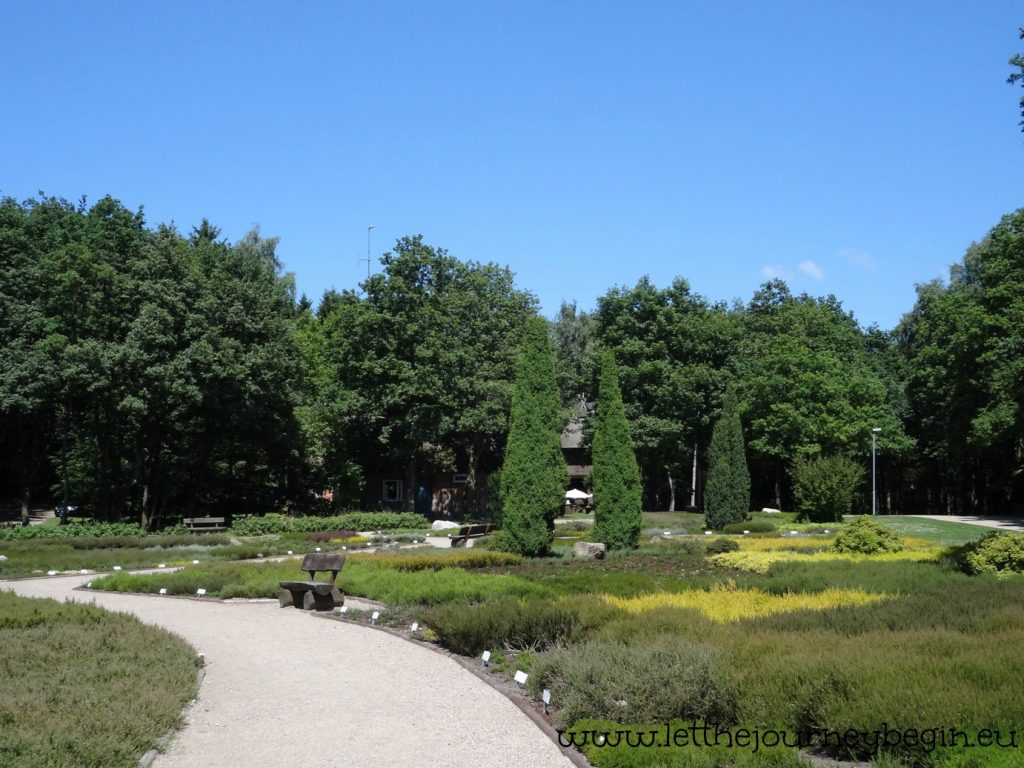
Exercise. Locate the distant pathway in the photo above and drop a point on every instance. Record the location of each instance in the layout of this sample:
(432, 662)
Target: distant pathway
(284, 688)
(1002, 523)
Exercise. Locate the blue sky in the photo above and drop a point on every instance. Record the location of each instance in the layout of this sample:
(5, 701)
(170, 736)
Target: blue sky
(851, 148)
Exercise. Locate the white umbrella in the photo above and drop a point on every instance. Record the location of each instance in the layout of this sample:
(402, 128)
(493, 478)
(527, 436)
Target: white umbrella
(573, 493)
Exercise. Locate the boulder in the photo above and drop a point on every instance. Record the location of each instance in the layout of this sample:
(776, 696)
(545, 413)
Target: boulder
(442, 525)
(589, 550)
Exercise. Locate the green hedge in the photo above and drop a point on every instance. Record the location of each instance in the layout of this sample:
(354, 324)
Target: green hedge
(72, 530)
(353, 521)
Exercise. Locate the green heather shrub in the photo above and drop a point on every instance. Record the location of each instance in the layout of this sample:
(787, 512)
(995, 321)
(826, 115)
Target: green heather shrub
(435, 561)
(996, 552)
(719, 545)
(664, 679)
(866, 537)
(754, 526)
(824, 486)
(534, 476)
(503, 623)
(82, 686)
(616, 477)
(727, 491)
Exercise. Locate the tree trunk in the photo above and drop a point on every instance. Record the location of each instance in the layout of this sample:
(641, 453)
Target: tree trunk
(693, 480)
(778, 486)
(26, 505)
(671, 492)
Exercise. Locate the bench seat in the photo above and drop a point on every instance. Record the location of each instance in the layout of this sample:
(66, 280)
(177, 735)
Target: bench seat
(312, 594)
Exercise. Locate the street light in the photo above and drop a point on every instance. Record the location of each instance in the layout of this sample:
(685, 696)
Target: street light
(368, 230)
(874, 503)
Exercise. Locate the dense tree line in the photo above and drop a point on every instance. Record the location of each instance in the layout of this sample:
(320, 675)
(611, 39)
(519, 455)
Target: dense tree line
(149, 373)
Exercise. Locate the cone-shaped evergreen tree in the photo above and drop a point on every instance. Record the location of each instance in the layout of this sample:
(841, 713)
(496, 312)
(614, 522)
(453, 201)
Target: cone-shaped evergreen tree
(616, 477)
(534, 476)
(727, 490)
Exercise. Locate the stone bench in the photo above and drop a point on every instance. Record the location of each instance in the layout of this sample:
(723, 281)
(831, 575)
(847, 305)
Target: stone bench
(207, 524)
(312, 594)
(467, 532)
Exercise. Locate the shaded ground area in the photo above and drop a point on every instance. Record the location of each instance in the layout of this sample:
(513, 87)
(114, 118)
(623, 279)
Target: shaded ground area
(286, 688)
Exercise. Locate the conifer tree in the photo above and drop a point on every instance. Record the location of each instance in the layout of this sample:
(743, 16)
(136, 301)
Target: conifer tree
(616, 477)
(534, 476)
(727, 490)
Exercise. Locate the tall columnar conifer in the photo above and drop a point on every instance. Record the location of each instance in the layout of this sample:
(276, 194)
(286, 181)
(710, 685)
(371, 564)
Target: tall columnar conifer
(616, 477)
(534, 476)
(727, 490)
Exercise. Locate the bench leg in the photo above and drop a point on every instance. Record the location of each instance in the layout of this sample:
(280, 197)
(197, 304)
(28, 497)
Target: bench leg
(285, 598)
(309, 601)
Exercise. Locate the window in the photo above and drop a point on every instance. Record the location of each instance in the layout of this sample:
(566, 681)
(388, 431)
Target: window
(392, 490)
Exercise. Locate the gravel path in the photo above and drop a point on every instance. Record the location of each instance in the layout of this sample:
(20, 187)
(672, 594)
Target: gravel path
(272, 673)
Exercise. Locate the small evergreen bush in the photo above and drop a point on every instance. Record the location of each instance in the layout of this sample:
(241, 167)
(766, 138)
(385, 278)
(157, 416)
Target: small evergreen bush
(719, 545)
(824, 486)
(996, 552)
(865, 536)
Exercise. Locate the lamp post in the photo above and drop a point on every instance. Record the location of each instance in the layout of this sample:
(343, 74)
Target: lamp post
(874, 503)
(368, 230)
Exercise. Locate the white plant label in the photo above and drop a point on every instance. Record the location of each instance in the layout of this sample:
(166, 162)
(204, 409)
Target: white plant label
(520, 677)
(200, 591)
(486, 656)
(51, 573)
(375, 616)
(707, 533)
(289, 551)
(84, 570)
(318, 549)
(117, 567)
(415, 627)
(195, 562)
(344, 609)
(546, 696)
(163, 590)
(162, 565)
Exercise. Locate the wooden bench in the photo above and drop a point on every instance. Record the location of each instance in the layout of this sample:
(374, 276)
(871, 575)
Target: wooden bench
(468, 532)
(207, 524)
(312, 594)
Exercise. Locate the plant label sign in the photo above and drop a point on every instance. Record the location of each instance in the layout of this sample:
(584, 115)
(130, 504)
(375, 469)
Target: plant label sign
(162, 565)
(344, 609)
(117, 567)
(520, 677)
(200, 592)
(415, 627)
(163, 590)
(374, 616)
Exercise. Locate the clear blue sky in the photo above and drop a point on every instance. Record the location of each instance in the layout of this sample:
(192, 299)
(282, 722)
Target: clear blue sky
(852, 148)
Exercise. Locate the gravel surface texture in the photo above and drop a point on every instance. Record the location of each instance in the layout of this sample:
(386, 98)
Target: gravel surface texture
(285, 688)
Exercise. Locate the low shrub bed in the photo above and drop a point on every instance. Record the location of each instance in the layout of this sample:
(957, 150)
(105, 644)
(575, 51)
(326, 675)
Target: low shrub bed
(436, 560)
(70, 531)
(751, 526)
(86, 687)
(356, 521)
(514, 624)
(665, 679)
(362, 577)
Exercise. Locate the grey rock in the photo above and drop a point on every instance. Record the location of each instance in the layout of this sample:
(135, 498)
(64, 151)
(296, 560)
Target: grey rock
(589, 550)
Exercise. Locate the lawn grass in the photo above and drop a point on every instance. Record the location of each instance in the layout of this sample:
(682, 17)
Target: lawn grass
(81, 687)
(945, 532)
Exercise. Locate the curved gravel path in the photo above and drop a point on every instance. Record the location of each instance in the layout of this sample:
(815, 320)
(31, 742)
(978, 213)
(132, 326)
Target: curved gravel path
(274, 676)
